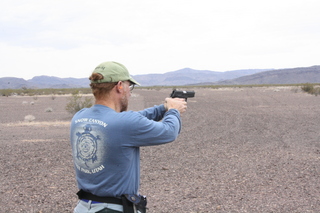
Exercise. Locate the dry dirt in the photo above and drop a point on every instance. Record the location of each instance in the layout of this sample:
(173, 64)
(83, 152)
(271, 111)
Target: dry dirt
(240, 150)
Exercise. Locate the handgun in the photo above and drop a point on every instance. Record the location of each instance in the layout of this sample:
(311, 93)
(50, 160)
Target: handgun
(182, 94)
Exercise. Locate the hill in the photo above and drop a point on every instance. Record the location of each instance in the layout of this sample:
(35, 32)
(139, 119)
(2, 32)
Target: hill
(43, 82)
(283, 76)
(186, 76)
(189, 76)
(13, 83)
(180, 77)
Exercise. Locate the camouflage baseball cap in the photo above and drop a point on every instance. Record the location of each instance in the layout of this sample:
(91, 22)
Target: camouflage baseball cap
(113, 72)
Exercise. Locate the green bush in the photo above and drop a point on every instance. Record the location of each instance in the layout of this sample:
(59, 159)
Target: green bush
(7, 92)
(311, 89)
(76, 102)
(307, 88)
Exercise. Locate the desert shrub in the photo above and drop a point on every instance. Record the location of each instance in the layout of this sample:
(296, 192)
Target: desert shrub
(311, 89)
(307, 88)
(29, 118)
(49, 109)
(7, 92)
(76, 102)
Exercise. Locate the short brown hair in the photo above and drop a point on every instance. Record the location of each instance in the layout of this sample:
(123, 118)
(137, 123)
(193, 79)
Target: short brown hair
(100, 90)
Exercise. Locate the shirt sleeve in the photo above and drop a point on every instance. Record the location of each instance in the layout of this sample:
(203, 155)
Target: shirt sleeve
(145, 132)
(154, 113)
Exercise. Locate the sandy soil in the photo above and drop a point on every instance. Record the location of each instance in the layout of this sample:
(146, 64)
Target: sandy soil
(240, 150)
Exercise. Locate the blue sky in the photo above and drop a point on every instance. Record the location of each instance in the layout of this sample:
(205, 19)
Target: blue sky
(69, 38)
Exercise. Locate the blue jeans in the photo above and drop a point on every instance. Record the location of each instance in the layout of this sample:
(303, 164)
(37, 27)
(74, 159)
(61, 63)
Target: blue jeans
(94, 207)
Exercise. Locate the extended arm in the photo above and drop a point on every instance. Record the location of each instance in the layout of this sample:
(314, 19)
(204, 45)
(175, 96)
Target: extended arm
(154, 113)
(148, 132)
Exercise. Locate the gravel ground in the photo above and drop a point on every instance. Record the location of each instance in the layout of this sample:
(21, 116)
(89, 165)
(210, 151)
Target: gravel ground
(240, 150)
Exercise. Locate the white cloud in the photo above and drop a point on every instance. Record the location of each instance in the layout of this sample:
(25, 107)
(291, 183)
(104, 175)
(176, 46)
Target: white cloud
(69, 38)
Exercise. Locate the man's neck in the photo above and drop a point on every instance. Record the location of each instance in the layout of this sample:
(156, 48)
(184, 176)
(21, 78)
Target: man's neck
(109, 104)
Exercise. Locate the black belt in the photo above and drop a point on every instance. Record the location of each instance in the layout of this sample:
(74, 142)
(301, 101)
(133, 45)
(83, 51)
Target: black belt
(88, 196)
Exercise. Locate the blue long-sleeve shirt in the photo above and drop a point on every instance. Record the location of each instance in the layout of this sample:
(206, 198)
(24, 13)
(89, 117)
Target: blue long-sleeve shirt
(105, 145)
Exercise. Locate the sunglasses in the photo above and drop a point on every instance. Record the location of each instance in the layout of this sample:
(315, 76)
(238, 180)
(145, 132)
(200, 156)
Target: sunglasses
(131, 86)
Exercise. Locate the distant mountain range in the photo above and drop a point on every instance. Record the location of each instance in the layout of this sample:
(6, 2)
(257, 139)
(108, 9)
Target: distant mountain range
(283, 76)
(186, 76)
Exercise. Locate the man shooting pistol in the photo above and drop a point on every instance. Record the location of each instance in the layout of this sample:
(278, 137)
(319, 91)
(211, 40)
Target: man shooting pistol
(182, 94)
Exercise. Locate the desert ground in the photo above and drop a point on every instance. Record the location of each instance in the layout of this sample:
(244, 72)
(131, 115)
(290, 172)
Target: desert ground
(240, 150)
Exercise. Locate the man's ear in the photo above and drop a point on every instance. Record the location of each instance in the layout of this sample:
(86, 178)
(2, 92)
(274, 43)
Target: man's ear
(119, 86)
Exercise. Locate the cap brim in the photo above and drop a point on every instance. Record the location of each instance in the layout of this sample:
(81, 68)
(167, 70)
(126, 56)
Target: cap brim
(134, 81)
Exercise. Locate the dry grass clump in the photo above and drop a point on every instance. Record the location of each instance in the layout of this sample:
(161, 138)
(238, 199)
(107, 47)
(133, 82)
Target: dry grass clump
(49, 109)
(29, 118)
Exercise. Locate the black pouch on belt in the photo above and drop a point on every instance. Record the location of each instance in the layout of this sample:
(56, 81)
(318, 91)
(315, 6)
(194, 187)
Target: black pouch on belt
(139, 201)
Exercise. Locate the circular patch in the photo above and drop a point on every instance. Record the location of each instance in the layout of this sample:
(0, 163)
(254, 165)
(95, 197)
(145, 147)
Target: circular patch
(87, 145)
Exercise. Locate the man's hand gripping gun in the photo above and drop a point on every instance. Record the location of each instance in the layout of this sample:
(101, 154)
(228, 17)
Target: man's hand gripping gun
(182, 94)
